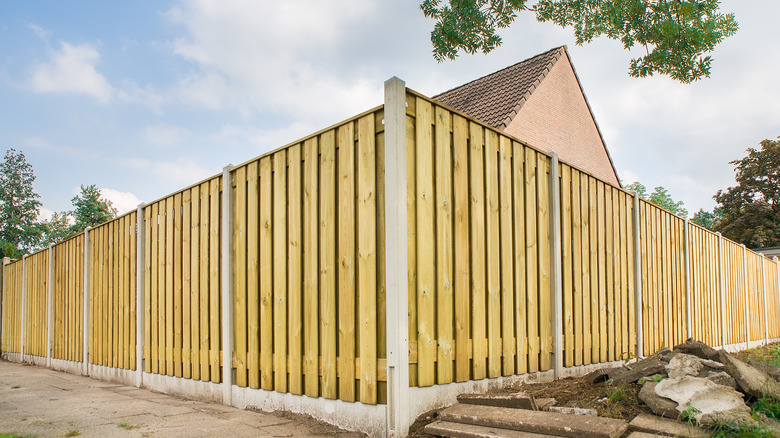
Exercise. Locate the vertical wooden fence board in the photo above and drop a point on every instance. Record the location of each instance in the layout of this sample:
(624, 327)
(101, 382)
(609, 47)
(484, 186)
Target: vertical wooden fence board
(252, 276)
(585, 225)
(177, 286)
(462, 271)
(239, 234)
(294, 272)
(327, 249)
(411, 226)
(478, 269)
(493, 254)
(346, 257)
(195, 285)
(567, 266)
(186, 283)
(444, 245)
(215, 277)
(205, 284)
(520, 286)
(508, 321)
(311, 295)
(577, 267)
(267, 303)
(595, 296)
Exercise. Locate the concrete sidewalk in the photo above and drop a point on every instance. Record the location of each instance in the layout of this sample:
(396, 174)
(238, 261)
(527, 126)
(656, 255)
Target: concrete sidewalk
(40, 402)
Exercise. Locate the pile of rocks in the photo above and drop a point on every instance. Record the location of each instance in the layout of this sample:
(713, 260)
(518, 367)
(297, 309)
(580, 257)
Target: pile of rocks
(696, 381)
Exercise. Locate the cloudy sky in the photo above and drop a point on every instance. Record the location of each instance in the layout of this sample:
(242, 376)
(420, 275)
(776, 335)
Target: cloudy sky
(144, 97)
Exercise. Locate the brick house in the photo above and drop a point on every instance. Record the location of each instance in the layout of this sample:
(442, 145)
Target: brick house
(541, 102)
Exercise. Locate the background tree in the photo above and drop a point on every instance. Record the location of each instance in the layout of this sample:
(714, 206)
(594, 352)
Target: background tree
(676, 34)
(19, 205)
(90, 209)
(750, 211)
(707, 219)
(56, 229)
(660, 196)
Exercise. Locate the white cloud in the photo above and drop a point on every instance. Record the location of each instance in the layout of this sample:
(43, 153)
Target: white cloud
(122, 201)
(72, 70)
(164, 135)
(45, 214)
(181, 172)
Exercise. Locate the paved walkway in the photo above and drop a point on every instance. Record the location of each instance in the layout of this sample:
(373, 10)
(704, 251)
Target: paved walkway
(44, 403)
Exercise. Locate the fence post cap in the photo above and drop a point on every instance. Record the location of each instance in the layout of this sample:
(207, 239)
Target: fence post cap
(6, 261)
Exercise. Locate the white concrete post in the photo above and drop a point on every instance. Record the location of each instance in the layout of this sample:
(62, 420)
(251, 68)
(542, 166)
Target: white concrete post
(722, 292)
(50, 323)
(139, 295)
(227, 285)
(556, 280)
(640, 346)
(763, 286)
(85, 370)
(396, 263)
(687, 249)
(24, 287)
(747, 302)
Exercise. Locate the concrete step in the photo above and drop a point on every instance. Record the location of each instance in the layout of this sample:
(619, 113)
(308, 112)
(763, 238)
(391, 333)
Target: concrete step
(545, 423)
(517, 400)
(665, 427)
(460, 430)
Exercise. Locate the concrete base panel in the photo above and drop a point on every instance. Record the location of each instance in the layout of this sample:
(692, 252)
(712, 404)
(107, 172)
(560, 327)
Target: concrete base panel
(37, 360)
(68, 366)
(192, 389)
(369, 419)
(733, 348)
(112, 375)
(12, 357)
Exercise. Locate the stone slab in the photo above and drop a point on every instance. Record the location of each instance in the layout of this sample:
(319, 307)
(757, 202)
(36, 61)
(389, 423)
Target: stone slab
(665, 427)
(517, 400)
(544, 403)
(750, 379)
(549, 423)
(460, 430)
(660, 406)
(771, 369)
(575, 411)
(643, 368)
(696, 348)
(642, 435)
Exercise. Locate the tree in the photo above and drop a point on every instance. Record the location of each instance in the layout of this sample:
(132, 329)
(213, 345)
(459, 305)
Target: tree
(56, 229)
(707, 219)
(751, 210)
(676, 34)
(90, 209)
(660, 197)
(19, 205)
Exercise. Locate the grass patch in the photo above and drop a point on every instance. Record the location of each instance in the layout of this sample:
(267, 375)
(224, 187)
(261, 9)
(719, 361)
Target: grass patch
(13, 435)
(126, 426)
(741, 430)
(767, 406)
(73, 432)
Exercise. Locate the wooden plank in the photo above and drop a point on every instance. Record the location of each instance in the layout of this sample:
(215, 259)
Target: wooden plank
(366, 258)
(240, 270)
(426, 251)
(205, 326)
(133, 265)
(327, 250)
(149, 285)
(444, 246)
(294, 270)
(610, 276)
(381, 252)
(266, 275)
(169, 292)
(493, 251)
(195, 286)
(462, 276)
(186, 283)
(567, 265)
(518, 222)
(630, 273)
(411, 225)
(577, 261)
(215, 283)
(545, 294)
(532, 259)
(252, 277)
(602, 266)
(280, 269)
(154, 306)
(507, 275)
(478, 270)
(346, 263)
(177, 286)
(587, 323)
(618, 265)
(311, 297)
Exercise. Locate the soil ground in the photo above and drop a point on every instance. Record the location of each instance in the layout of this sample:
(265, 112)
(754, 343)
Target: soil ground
(614, 401)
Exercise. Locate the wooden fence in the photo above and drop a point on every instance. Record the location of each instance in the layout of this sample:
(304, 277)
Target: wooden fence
(304, 247)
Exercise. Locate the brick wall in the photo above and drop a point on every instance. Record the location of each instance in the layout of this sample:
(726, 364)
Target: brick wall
(556, 117)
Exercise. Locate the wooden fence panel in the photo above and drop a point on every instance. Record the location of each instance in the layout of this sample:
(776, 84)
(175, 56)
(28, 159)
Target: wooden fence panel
(479, 252)
(36, 304)
(182, 286)
(68, 296)
(772, 298)
(755, 296)
(705, 285)
(112, 292)
(734, 292)
(12, 307)
(291, 315)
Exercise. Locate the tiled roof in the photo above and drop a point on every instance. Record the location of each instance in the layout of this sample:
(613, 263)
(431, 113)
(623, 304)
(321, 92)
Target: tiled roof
(496, 98)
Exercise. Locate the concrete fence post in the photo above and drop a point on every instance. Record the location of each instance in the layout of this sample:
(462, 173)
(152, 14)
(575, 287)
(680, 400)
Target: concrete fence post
(50, 308)
(687, 254)
(227, 286)
(139, 295)
(763, 286)
(396, 262)
(640, 346)
(556, 279)
(721, 286)
(85, 370)
(745, 289)
(24, 290)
